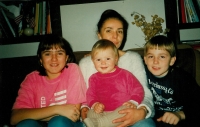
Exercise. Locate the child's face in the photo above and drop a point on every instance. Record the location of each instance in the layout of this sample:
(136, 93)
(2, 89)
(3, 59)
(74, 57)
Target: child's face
(53, 60)
(158, 61)
(105, 61)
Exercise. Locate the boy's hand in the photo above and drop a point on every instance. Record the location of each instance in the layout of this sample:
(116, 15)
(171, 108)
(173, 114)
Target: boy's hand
(171, 117)
(99, 107)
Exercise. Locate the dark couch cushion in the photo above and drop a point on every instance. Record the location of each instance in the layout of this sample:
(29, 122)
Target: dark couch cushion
(12, 73)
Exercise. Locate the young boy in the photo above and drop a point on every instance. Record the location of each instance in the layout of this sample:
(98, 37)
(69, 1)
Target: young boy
(174, 91)
(111, 88)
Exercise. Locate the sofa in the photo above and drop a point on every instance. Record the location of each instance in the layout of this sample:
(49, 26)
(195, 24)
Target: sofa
(14, 70)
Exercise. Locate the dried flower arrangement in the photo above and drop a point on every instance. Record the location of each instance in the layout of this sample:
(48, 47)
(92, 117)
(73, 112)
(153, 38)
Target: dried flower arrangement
(149, 29)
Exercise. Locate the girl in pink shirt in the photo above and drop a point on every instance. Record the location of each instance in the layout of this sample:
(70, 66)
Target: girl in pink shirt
(53, 93)
(111, 88)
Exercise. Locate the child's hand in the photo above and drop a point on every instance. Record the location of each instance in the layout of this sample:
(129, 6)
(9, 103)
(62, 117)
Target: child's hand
(170, 118)
(129, 104)
(70, 111)
(99, 107)
(84, 112)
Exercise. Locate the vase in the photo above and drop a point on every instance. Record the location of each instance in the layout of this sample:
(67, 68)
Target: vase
(28, 31)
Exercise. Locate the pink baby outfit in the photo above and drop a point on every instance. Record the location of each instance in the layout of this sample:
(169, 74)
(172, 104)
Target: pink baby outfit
(113, 89)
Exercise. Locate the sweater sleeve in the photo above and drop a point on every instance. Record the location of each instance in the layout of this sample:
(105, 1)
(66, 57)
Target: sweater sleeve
(87, 68)
(133, 62)
(135, 89)
(25, 98)
(77, 87)
(91, 94)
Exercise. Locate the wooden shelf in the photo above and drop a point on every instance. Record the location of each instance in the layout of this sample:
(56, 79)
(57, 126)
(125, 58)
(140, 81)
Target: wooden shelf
(17, 40)
(189, 25)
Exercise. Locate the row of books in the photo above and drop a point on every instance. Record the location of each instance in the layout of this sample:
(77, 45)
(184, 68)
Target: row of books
(42, 18)
(188, 11)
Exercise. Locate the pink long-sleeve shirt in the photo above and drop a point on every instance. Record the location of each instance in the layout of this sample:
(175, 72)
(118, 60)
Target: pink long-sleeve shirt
(113, 89)
(37, 91)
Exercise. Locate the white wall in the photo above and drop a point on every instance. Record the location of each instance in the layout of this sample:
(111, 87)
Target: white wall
(18, 50)
(189, 34)
(79, 25)
(79, 21)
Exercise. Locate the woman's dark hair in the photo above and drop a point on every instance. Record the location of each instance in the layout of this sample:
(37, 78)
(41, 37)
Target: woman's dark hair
(50, 41)
(107, 14)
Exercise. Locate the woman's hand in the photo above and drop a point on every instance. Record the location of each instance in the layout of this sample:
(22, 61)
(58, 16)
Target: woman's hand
(70, 111)
(99, 107)
(132, 116)
(84, 112)
(172, 117)
(129, 104)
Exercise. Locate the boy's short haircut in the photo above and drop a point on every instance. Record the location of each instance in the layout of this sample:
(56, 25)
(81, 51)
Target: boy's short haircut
(161, 42)
(103, 44)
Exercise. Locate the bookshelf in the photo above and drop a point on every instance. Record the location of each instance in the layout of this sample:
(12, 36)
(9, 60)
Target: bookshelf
(174, 22)
(54, 18)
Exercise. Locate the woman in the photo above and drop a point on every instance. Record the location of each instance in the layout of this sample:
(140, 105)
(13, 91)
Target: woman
(113, 26)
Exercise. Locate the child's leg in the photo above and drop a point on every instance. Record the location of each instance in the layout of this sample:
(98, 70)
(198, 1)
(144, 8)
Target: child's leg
(105, 120)
(28, 123)
(61, 121)
(92, 114)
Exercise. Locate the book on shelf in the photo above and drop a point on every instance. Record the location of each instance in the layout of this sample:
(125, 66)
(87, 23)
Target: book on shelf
(36, 18)
(44, 18)
(194, 11)
(48, 27)
(186, 13)
(177, 7)
(198, 3)
(18, 20)
(183, 11)
(40, 18)
(191, 11)
(7, 24)
(5, 18)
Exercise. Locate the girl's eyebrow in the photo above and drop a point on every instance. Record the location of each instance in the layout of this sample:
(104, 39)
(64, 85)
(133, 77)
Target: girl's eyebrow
(112, 28)
(45, 51)
(60, 50)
